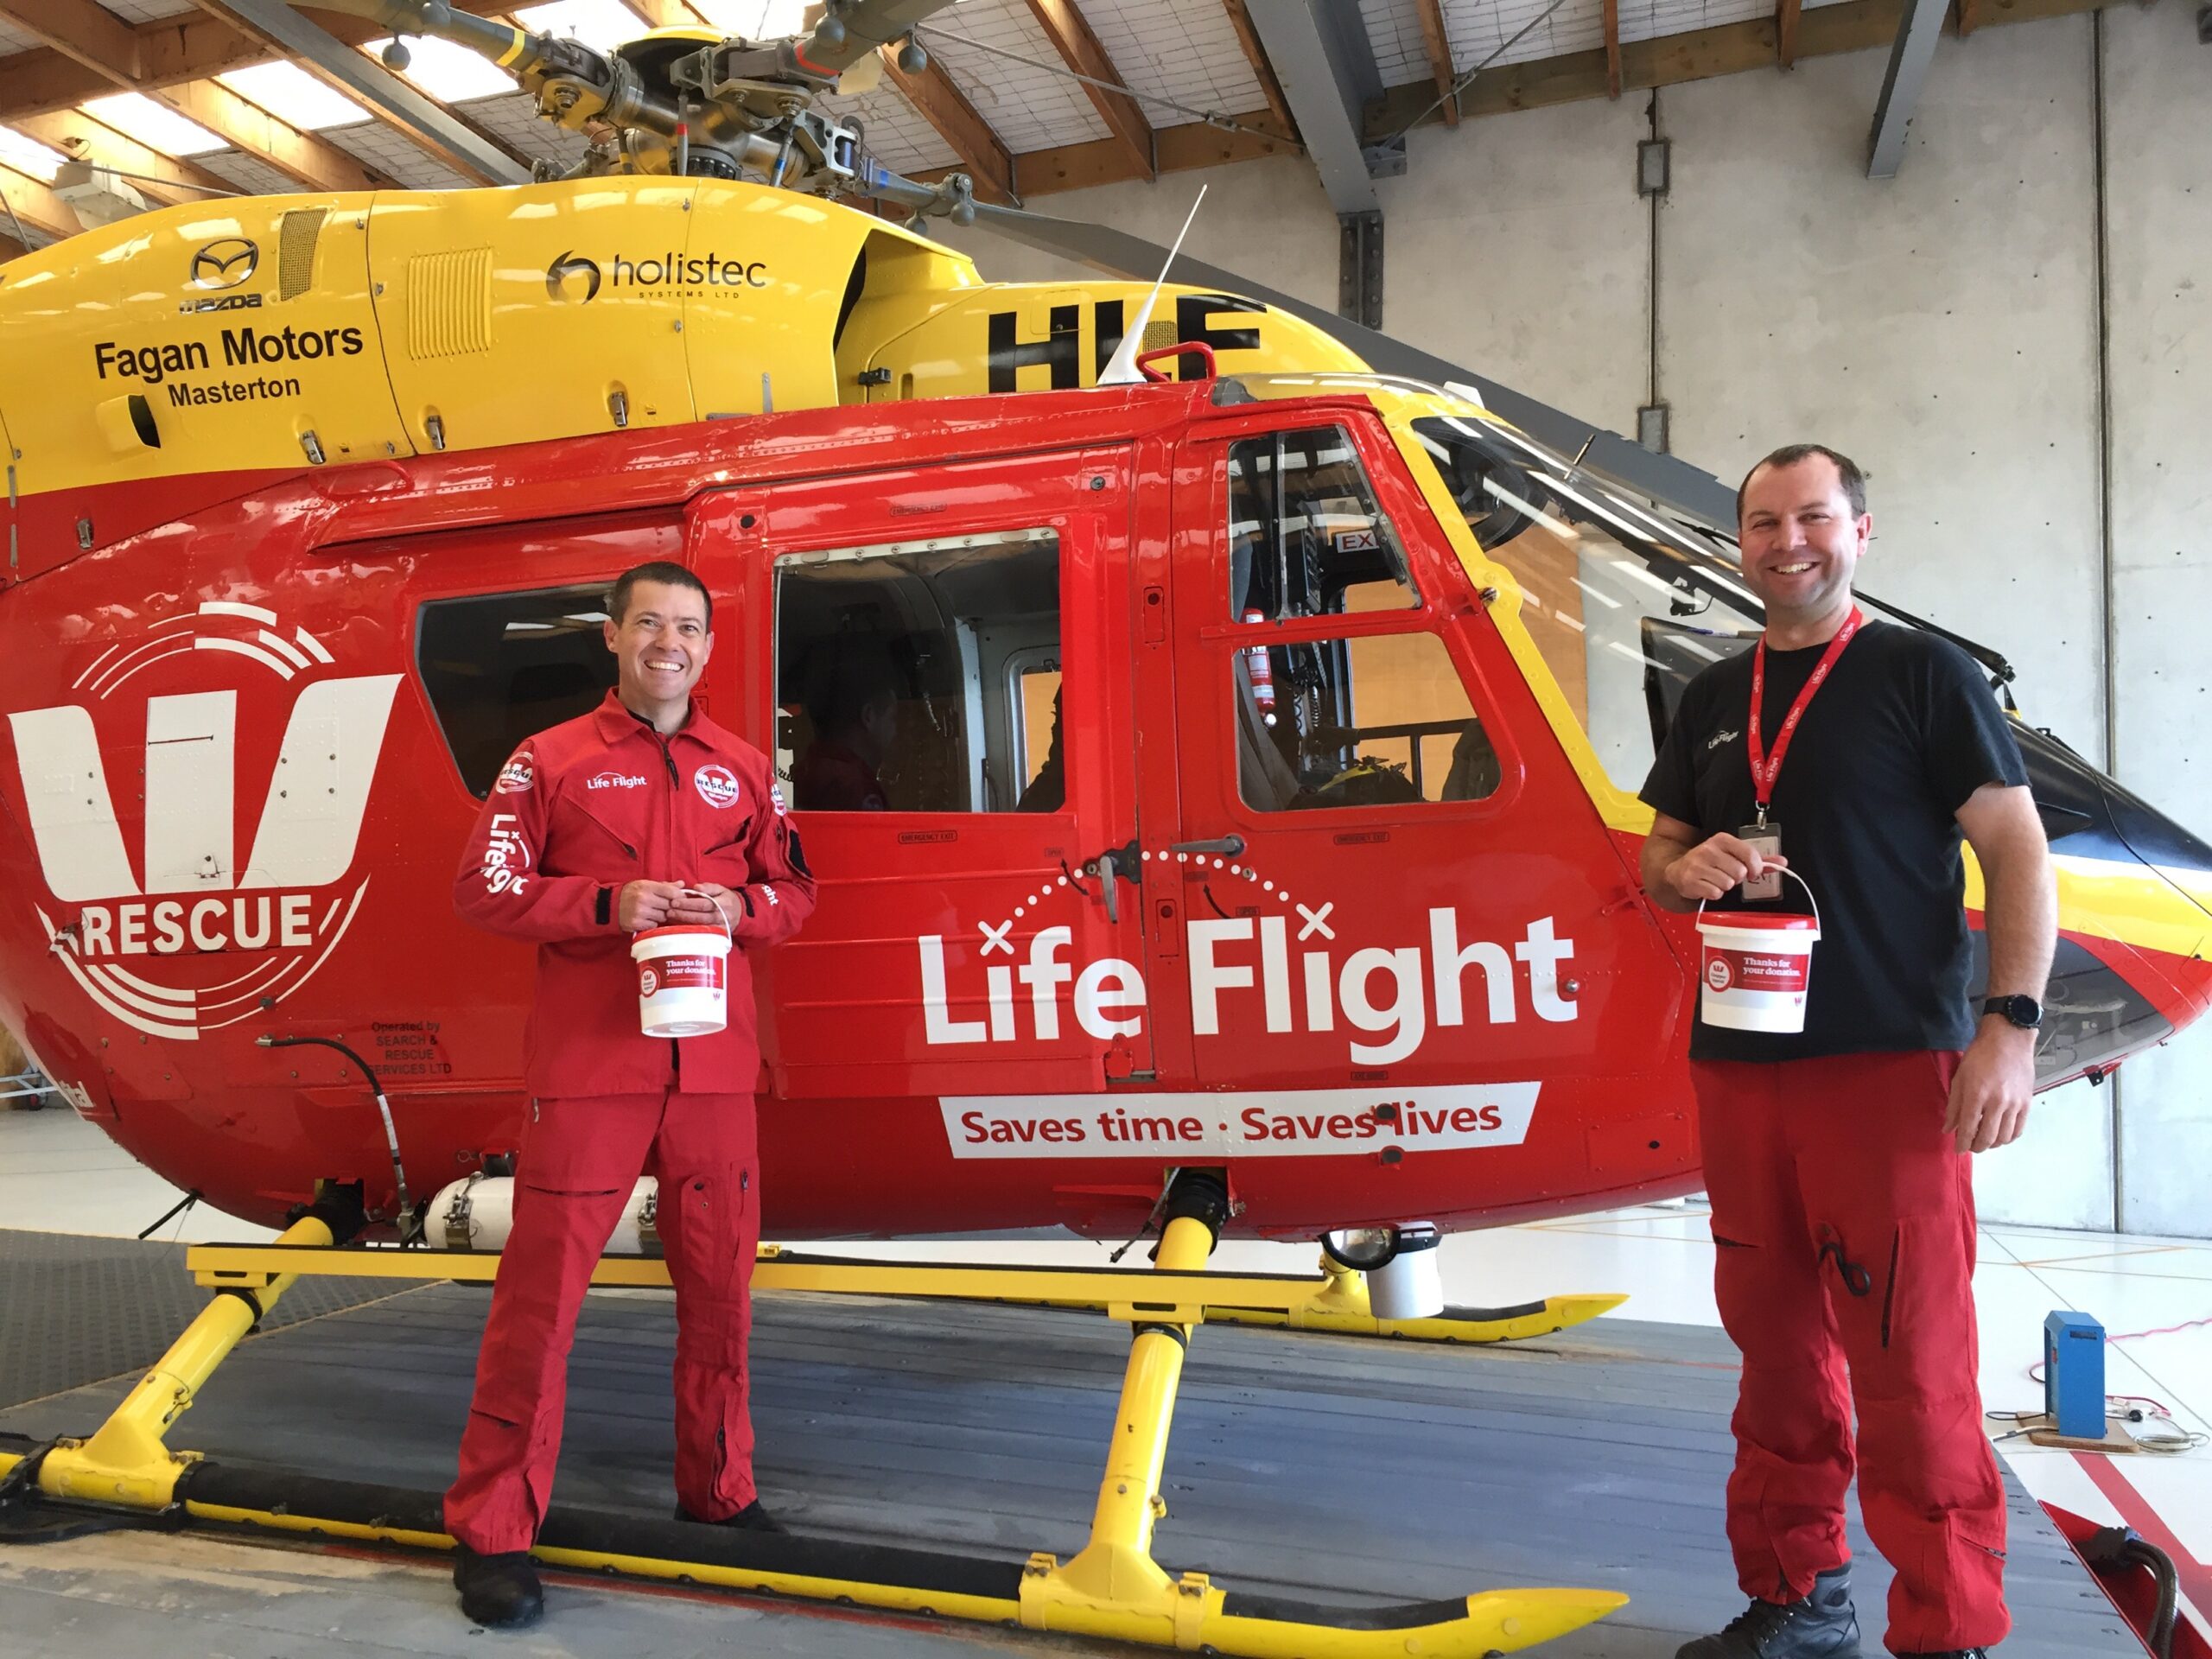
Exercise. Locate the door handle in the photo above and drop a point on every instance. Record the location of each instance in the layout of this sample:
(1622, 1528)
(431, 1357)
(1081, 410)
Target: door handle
(1232, 845)
(1116, 862)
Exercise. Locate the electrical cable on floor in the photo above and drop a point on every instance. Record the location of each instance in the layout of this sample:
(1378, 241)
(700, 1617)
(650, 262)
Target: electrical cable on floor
(2135, 1407)
(2169, 1441)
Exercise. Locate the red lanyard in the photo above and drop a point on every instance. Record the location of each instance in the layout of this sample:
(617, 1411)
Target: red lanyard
(1766, 769)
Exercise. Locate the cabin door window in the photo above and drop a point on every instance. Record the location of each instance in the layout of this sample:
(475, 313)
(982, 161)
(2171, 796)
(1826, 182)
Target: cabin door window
(949, 686)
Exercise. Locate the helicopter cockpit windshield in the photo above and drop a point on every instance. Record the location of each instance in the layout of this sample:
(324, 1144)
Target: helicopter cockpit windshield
(1626, 602)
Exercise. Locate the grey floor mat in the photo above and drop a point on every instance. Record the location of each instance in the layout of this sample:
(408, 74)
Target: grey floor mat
(1330, 1468)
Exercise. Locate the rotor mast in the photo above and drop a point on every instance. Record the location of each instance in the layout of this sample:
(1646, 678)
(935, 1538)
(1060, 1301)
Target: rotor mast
(686, 104)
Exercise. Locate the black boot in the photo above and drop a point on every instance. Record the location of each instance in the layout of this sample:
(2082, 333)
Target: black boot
(1821, 1626)
(498, 1591)
(752, 1518)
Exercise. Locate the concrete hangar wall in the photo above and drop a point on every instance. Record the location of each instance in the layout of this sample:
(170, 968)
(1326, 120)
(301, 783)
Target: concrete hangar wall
(2013, 336)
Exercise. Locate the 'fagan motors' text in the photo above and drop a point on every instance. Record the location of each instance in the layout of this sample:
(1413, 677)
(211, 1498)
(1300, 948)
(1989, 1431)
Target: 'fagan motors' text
(242, 348)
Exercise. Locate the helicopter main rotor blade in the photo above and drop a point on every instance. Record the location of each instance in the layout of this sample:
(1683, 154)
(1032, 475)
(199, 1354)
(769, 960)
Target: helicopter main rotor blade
(432, 20)
(361, 75)
(1695, 493)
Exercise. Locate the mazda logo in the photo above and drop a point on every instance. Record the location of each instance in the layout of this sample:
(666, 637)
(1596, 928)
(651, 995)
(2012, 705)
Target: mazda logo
(567, 266)
(225, 263)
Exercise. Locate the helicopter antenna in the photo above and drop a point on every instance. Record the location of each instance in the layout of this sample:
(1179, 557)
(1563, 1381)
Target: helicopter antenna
(1123, 370)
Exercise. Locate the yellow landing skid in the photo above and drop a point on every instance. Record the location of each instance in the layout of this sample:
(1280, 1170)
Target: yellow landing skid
(1340, 1307)
(1334, 1302)
(1112, 1588)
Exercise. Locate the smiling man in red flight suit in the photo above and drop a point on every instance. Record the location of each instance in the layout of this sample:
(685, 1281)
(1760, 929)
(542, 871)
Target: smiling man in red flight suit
(643, 813)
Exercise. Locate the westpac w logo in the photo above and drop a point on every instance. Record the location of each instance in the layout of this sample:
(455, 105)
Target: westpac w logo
(277, 900)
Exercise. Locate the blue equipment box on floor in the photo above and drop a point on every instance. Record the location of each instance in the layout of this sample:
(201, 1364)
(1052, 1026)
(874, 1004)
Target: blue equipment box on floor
(2074, 1374)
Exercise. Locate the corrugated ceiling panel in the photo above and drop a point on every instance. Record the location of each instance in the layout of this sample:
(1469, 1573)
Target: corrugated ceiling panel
(896, 136)
(514, 117)
(1029, 109)
(147, 12)
(1479, 28)
(1394, 32)
(13, 40)
(397, 156)
(256, 177)
(1644, 20)
(1183, 49)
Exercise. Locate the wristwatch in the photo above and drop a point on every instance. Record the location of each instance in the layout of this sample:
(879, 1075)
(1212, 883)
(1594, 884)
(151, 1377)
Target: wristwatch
(2022, 1011)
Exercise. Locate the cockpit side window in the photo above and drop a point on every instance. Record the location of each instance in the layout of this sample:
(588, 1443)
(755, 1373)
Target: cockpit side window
(1305, 538)
(1369, 720)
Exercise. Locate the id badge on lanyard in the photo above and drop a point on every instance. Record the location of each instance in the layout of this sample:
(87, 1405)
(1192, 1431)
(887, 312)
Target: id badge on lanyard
(1766, 839)
(1765, 834)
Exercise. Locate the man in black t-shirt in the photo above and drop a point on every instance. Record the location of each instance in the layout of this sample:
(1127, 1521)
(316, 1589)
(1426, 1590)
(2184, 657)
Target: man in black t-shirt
(1842, 1203)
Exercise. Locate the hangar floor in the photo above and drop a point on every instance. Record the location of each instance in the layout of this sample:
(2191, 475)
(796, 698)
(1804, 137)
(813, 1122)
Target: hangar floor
(1328, 1467)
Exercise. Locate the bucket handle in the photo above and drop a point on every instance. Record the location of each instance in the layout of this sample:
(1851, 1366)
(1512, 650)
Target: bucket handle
(1800, 882)
(729, 932)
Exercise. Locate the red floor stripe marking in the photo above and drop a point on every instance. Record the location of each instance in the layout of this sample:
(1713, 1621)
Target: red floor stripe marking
(2195, 1578)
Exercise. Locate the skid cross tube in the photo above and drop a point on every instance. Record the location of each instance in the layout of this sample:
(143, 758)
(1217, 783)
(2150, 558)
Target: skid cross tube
(128, 1461)
(1111, 1588)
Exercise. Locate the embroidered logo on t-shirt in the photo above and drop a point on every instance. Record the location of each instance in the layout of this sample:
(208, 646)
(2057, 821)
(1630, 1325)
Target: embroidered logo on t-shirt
(1718, 738)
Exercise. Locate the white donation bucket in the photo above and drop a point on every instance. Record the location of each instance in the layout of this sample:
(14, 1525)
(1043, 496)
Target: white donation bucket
(682, 979)
(1755, 970)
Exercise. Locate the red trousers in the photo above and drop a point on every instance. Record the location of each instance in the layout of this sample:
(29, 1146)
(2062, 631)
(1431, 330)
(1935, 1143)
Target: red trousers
(1844, 1226)
(581, 1157)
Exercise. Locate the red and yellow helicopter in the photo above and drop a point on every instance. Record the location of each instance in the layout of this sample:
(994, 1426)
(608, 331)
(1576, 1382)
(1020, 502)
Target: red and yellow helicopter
(1260, 741)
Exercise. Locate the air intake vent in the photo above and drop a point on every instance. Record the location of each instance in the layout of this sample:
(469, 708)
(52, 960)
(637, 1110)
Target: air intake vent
(449, 303)
(295, 237)
(1161, 332)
